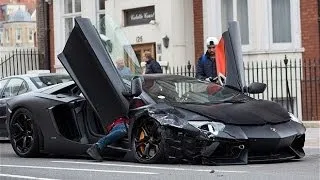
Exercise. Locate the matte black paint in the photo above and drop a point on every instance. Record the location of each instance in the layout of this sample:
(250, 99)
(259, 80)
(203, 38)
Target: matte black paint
(252, 112)
(254, 130)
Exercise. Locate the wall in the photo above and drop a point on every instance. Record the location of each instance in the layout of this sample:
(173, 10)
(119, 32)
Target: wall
(51, 39)
(173, 18)
(42, 33)
(260, 30)
(261, 47)
(310, 28)
(310, 24)
(88, 10)
(198, 29)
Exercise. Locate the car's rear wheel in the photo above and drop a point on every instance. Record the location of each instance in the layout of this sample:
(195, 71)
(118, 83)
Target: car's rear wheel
(147, 142)
(23, 133)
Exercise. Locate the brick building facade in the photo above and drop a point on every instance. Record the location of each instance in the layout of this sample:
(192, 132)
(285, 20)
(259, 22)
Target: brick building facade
(310, 29)
(17, 24)
(30, 5)
(44, 32)
(198, 28)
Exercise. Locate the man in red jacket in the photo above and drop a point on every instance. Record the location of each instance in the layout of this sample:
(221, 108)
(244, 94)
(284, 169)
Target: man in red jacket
(116, 131)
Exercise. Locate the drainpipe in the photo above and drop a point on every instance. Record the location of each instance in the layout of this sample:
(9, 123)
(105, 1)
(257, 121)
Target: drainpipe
(47, 35)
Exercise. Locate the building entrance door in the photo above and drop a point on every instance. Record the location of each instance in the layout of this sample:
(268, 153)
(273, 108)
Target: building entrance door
(139, 49)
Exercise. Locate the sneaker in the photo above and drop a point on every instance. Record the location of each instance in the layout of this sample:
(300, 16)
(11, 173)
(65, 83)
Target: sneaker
(94, 152)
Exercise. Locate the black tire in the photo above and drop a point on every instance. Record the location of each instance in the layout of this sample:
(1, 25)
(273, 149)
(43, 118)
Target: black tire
(147, 142)
(24, 134)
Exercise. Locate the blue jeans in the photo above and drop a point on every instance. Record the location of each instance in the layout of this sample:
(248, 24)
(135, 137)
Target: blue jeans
(116, 133)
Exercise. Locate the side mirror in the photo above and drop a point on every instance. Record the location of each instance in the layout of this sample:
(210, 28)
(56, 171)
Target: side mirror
(136, 86)
(255, 88)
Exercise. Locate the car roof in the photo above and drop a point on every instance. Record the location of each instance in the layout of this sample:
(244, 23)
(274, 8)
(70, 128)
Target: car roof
(165, 76)
(36, 75)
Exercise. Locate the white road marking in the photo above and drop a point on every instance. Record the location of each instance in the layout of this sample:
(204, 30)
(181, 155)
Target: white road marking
(147, 167)
(76, 169)
(255, 166)
(24, 177)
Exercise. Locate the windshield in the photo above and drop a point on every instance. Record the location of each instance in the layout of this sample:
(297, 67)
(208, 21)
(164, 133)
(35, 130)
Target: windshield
(44, 81)
(189, 90)
(119, 48)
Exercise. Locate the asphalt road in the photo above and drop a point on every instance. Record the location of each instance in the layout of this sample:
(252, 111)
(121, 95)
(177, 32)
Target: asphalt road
(49, 168)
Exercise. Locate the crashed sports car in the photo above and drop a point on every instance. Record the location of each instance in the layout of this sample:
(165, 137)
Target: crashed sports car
(172, 118)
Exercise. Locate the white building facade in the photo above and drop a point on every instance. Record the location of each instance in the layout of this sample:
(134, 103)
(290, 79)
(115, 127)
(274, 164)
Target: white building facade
(270, 30)
(146, 23)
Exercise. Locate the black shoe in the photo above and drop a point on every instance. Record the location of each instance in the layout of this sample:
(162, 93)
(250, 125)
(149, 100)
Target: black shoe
(94, 152)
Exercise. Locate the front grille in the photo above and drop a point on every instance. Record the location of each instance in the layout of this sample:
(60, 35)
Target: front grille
(228, 150)
(282, 154)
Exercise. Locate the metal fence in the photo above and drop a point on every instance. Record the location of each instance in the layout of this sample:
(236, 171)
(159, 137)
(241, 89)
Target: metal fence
(293, 83)
(19, 62)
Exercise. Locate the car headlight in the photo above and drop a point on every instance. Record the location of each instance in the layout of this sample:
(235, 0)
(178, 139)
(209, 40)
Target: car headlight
(295, 119)
(212, 127)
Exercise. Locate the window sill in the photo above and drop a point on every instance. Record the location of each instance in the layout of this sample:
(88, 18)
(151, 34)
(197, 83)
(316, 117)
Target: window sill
(255, 52)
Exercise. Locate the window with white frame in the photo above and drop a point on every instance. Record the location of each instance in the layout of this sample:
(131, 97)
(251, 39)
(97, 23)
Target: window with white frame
(101, 16)
(30, 34)
(72, 9)
(6, 34)
(18, 35)
(236, 10)
(1, 39)
(281, 21)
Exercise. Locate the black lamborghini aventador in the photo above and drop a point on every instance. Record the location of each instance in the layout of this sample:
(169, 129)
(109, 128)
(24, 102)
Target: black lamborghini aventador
(172, 118)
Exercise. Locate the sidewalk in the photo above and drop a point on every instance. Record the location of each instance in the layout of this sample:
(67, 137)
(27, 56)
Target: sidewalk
(312, 134)
(311, 124)
(312, 138)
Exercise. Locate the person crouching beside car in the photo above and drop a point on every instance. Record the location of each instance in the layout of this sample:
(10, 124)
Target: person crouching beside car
(117, 130)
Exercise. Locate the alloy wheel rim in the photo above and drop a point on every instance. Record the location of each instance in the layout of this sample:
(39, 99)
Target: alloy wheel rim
(21, 130)
(147, 141)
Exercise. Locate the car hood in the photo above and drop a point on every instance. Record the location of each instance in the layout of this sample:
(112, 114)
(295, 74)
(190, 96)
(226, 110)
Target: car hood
(253, 112)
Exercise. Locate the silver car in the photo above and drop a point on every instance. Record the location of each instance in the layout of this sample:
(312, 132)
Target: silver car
(20, 84)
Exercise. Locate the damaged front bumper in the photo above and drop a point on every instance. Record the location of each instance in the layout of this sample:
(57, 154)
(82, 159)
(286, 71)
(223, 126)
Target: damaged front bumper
(234, 144)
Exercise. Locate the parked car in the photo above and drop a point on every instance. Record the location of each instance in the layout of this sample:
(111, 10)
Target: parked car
(19, 84)
(172, 118)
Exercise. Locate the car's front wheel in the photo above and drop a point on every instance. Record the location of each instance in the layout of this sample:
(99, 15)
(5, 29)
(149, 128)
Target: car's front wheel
(23, 133)
(147, 142)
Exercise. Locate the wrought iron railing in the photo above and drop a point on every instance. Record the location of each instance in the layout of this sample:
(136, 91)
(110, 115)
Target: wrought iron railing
(19, 62)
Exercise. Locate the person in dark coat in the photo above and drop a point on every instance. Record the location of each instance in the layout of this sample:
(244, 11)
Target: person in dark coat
(152, 66)
(206, 67)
